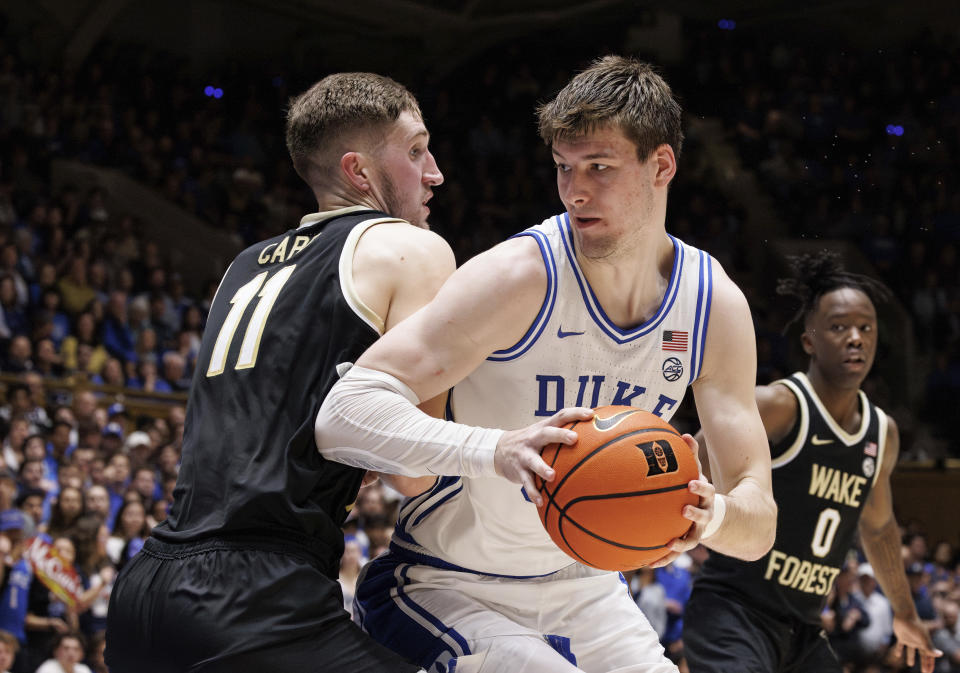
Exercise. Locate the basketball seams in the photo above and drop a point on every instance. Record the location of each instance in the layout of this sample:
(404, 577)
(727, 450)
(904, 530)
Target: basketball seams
(551, 501)
(600, 527)
(629, 494)
(612, 543)
(606, 445)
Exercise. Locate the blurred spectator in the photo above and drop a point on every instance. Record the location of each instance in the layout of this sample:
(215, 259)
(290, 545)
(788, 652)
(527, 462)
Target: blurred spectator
(168, 460)
(84, 335)
(651, 599)
(943, 562)
(129, 533)
(916, 552)
(139, 448)
(17, 575)
(47, 361)
(9, 646)
(919, 579)
(844, 618)
(112, 374)
(947, 639)
(58, 448)
(97, 502)
(65, 512)
(8, 489)
(19, 354)
(12, 451)
(74, 288)
(98, 643)
(30, 502)
(147, 378)
(84, 407)
(50, 303)
(14, 316)
(47, 615)
(10, 266)
(875, 637)
(175, 371)
(37, 414)
(145, 484)
(95, 568)
(677, 581)
(118, 337)
(32, 481)
(350, 564)
(116, 476)
(68, 653)
(19, 404)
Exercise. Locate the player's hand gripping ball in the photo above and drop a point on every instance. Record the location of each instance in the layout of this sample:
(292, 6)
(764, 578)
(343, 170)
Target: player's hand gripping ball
(618, 493)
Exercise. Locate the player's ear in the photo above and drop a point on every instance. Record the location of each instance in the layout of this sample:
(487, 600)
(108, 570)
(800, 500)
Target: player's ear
(666, 165)
(353, 167)
(806, 342)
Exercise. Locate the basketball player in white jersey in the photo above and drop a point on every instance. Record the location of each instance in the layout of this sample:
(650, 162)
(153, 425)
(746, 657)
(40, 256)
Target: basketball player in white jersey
(596, 306)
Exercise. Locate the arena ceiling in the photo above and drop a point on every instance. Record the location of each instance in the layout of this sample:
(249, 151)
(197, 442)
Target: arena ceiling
(442, 33)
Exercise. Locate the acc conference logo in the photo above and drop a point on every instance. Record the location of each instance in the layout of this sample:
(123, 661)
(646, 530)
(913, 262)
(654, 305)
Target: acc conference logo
(672, 369)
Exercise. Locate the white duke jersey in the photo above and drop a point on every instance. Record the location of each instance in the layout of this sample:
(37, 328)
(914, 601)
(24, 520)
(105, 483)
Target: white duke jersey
(572, 355)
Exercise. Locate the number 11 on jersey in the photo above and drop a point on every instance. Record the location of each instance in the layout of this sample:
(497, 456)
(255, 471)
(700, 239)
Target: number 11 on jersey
(251, 338)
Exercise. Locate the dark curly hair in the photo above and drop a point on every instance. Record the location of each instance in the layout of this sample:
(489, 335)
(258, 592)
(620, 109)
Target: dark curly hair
(814, 275)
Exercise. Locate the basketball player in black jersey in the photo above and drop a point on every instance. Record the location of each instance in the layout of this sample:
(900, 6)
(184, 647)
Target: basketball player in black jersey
(832, 454)
(242, 575)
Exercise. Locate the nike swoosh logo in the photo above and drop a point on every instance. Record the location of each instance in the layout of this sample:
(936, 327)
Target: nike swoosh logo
(563, 335)
(604, 424)
(816, 441)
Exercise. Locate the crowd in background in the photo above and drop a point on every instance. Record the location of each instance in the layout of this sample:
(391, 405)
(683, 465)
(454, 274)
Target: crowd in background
(90, 307)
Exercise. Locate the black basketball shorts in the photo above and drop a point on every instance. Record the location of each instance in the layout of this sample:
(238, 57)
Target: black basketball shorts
(246, 606)
(722, 634)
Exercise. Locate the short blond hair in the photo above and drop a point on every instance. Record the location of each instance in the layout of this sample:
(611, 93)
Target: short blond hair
(327, 118)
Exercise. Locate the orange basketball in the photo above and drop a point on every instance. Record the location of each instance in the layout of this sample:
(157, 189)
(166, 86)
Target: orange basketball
(618, 493)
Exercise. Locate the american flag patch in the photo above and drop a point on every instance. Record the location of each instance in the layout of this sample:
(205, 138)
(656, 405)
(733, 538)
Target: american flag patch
(674, 340)
(870, 449)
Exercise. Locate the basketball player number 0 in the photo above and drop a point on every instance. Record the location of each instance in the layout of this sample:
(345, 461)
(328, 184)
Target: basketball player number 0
(251, 337)
(826, 528)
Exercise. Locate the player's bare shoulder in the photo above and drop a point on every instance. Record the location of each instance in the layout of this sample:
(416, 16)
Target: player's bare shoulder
(778, 409)
(519, 263)
(728, 299)
(397, 267)
(730, 341)
(399, 244)
(498, 293)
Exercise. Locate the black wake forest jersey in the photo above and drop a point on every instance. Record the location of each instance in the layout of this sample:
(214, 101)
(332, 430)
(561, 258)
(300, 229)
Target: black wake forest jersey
(284, 317)
(821, 479)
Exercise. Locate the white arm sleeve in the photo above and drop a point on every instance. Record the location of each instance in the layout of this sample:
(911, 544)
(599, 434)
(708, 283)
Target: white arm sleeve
(369, 420)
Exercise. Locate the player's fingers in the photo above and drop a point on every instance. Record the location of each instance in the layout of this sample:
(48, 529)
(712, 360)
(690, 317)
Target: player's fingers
(911, 656)
(687, 541)
(704, 489)
(536, 465)
(927, 663)
(569, 415)
(667, 559)
(530, 489)
(552, 435)
(699, 515)
(695, 449)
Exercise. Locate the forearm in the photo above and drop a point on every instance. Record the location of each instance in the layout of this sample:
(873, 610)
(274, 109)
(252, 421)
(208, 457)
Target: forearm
(882, 547)
(370, 420)
(749, 523)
